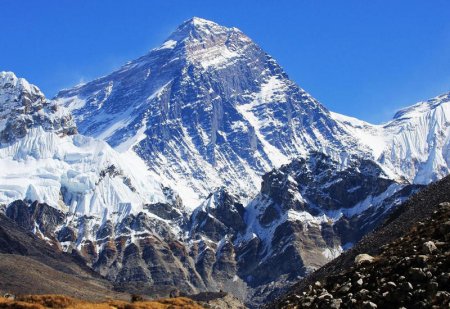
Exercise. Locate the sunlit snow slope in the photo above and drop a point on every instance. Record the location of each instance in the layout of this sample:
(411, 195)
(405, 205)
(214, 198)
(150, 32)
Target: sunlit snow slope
(415, 144)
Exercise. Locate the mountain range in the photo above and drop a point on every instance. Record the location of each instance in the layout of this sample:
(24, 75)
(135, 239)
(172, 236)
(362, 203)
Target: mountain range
(202, 166)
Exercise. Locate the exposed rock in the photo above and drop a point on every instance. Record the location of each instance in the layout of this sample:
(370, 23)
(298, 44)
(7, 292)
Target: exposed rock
(397, 276)
(23, 106)
(429, 247)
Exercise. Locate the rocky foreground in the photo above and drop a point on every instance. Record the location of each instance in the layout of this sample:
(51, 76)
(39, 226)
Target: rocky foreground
(411, 272)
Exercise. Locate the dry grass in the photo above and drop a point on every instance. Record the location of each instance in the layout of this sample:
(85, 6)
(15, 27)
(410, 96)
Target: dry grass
(60, 302)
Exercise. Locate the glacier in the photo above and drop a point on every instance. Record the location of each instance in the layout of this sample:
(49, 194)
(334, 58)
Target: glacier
(43, 159)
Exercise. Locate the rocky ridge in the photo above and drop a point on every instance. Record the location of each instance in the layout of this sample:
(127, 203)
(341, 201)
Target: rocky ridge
(153, 244)
(23, 106)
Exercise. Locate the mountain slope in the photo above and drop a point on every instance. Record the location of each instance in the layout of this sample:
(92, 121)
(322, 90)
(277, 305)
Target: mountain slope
(29, 265)
(403, 255)
(299, 221)
(81, 196)
(207, 108)
(307, 213)
(415, 144)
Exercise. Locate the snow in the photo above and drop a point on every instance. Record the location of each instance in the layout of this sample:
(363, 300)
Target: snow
(414, 145)
(71, 103)
(42, 164)
(157, 94)
(201, 22)
(116, 125)
(270, 91)
(372, 136)
(216, 56)
(169, 44)
(131, 142)
(332, 253)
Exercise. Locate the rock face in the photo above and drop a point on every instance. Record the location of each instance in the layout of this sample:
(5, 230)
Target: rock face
(208, 108)
(408, 265)
(220, 215)
(23, 106)
(308, 212)
(41, 219)
(283, 233)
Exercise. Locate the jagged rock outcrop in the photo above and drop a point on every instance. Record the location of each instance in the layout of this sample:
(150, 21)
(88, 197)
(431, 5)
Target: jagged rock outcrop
(308, 212)
(39, 218)
(220, 215)
(23, 106)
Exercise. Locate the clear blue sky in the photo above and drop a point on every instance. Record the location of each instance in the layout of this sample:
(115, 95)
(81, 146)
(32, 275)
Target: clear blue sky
(361, 58)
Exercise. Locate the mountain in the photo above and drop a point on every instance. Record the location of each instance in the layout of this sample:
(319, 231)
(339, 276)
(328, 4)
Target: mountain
(415, 144)
(84, 198)
(403, 263)
(75, 192)
(208, 108)
(307, 213)
(23, 106)
(201, 167)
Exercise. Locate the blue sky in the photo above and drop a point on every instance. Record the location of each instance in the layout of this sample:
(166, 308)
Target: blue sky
(361, 58)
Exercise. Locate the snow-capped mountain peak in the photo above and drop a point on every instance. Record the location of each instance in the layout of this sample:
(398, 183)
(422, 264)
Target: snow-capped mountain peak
(196, 27)
(207, 44)
(11, 87)
(414, 144)
(208, 108)
(421, 108)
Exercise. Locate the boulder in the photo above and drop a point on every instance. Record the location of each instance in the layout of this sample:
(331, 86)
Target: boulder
(363, 259)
